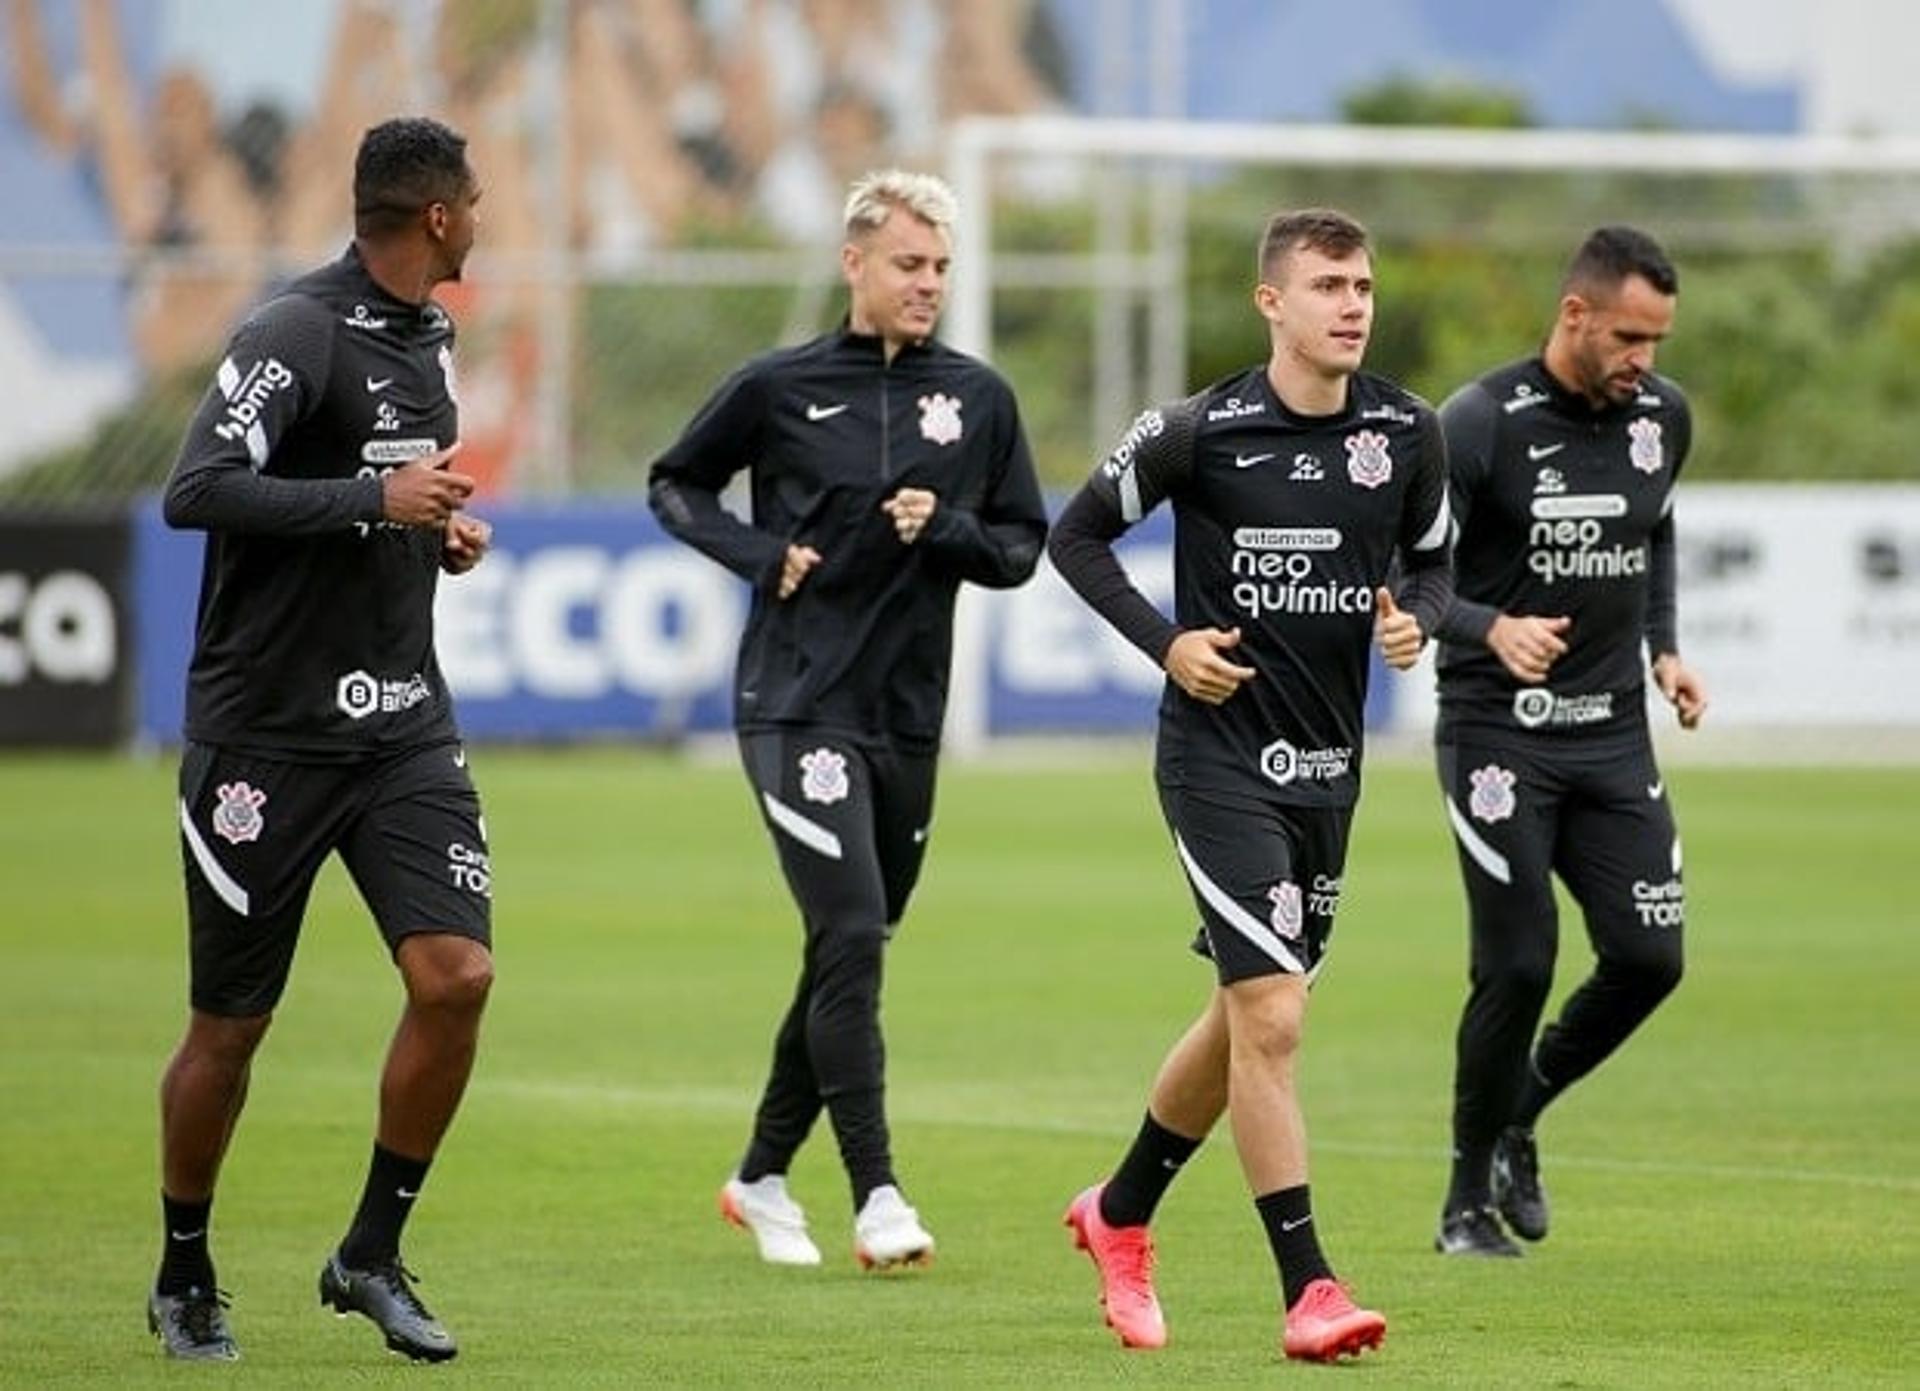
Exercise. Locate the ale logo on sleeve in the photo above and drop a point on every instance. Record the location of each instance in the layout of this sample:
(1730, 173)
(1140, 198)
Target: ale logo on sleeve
(1368, 462)
(823, 776)
(1492, 798)
(940, 418)
(237, 818)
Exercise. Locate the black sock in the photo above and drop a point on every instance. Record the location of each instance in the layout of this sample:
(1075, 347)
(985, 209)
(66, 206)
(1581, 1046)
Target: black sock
(1470, 1186)
(393, 1182)
(184, 1261)
(1140, 1182)
(1288, 1216)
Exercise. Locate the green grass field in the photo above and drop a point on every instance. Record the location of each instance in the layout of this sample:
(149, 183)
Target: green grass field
(1737, 1195)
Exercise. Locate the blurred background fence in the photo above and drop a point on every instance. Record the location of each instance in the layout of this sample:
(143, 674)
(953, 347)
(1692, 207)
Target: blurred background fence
(662, 184)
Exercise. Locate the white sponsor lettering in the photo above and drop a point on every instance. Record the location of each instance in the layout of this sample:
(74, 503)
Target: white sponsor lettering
(1287, 538)
(1324, 900)
(469, 869)
(1233, 408)
(1149, 425)
(1578, 505)
(1567, 547)
(247, 394)
(1534, 706)
(1660, 905)
(391, 452)
(359, 694)
(1283, 763)
(1282, 581)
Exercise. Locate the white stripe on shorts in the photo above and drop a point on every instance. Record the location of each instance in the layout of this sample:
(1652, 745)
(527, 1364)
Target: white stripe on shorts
(217, 878)
(1484, 855)
(1238, 918)
(809, 833)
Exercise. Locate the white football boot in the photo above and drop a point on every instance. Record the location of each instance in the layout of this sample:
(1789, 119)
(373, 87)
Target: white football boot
(887, 1233)
(779, 1225)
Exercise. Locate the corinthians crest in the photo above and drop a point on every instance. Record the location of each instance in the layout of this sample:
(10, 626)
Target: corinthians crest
(940, 418)
(237, 818)
(1285, 898)
(1643, 445)
(823, 776)
(1492, 798)
(1368, 462)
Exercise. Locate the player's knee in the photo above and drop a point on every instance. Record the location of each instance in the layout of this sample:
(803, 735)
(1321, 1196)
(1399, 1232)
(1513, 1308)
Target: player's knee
(227, 1039)
(458, 982)
(1654, 969)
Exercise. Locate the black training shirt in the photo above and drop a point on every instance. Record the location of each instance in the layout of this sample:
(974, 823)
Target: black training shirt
(1284, 526)
(1561, 509)
(315, 632)
(828, 431)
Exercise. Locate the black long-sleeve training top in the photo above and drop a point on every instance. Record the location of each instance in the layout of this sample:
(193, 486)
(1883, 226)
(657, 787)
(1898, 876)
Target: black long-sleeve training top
(1284, 527)
(828, 431)
(1561, 509)
(314, 638)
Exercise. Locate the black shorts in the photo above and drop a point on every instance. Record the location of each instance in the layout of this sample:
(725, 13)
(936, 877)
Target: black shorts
(255, 831)
(1265, 877)
(850, 820)
(1595, 813)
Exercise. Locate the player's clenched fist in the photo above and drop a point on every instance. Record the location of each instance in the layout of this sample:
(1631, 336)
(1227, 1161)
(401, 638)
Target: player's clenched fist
(425, 492)
(1197, 666)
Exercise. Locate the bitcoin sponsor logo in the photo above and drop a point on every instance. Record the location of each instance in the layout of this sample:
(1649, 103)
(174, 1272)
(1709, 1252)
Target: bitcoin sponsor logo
(1536, 706)
(1284, 764)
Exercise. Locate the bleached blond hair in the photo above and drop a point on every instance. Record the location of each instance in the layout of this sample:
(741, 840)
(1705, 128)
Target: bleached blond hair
(879, 192)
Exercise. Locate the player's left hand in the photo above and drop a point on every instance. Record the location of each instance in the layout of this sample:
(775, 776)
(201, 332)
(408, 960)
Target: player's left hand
(1396, 631)
(911, 510)
(463, 543)
(1682, 687)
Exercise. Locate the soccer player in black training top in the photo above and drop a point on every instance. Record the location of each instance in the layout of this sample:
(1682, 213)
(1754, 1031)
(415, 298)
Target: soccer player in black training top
(1562, 487)
(886, 468)
(317, 720)
(1294, 486)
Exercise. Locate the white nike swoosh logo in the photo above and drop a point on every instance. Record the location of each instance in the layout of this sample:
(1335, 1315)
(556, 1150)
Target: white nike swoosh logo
(1654, 789)
(188, 1236)
(459, 758)
(1249, 460)
(408, 1193)
(1296, 1224)
(825, 412)
(1537, 452)
(379, 383)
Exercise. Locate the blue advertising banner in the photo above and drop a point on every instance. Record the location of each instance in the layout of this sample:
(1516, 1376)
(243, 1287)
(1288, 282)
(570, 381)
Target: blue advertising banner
(587, 620)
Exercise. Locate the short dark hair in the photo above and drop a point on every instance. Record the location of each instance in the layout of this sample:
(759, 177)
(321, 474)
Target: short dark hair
(404, 166)
(1610, 255)
(1320, 229)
